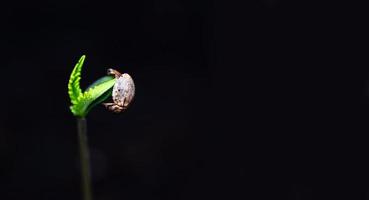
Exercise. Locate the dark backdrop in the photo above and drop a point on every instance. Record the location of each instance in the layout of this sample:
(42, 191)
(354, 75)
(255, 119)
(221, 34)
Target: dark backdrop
(234, 101)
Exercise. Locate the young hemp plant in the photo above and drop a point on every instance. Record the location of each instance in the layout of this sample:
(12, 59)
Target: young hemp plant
(120, 86)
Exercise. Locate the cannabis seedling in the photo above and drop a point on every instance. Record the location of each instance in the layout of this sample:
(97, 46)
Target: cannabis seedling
(123, 90)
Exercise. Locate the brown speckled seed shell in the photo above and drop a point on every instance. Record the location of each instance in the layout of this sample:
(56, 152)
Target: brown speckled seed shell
(124, 90)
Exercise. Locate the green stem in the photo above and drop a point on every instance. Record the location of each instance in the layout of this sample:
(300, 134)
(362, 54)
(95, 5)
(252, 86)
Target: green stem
(84, 157)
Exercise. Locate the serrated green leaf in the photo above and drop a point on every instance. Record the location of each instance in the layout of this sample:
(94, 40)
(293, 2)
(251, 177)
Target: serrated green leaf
(97, 92)
(74, 89)
(92, 94)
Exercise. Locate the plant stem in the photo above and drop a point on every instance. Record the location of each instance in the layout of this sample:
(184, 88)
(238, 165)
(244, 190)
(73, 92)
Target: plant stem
(84, 157)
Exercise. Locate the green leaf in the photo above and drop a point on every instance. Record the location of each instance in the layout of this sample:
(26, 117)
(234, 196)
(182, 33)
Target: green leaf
(100, 99)
(97, 92)
(99, 81)
(104, 96)
(74, 89)
(91, 96)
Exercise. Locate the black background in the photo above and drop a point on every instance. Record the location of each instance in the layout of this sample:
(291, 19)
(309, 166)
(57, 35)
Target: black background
(262, 100)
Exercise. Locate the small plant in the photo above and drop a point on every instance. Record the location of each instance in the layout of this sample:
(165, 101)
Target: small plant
(119, 85)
